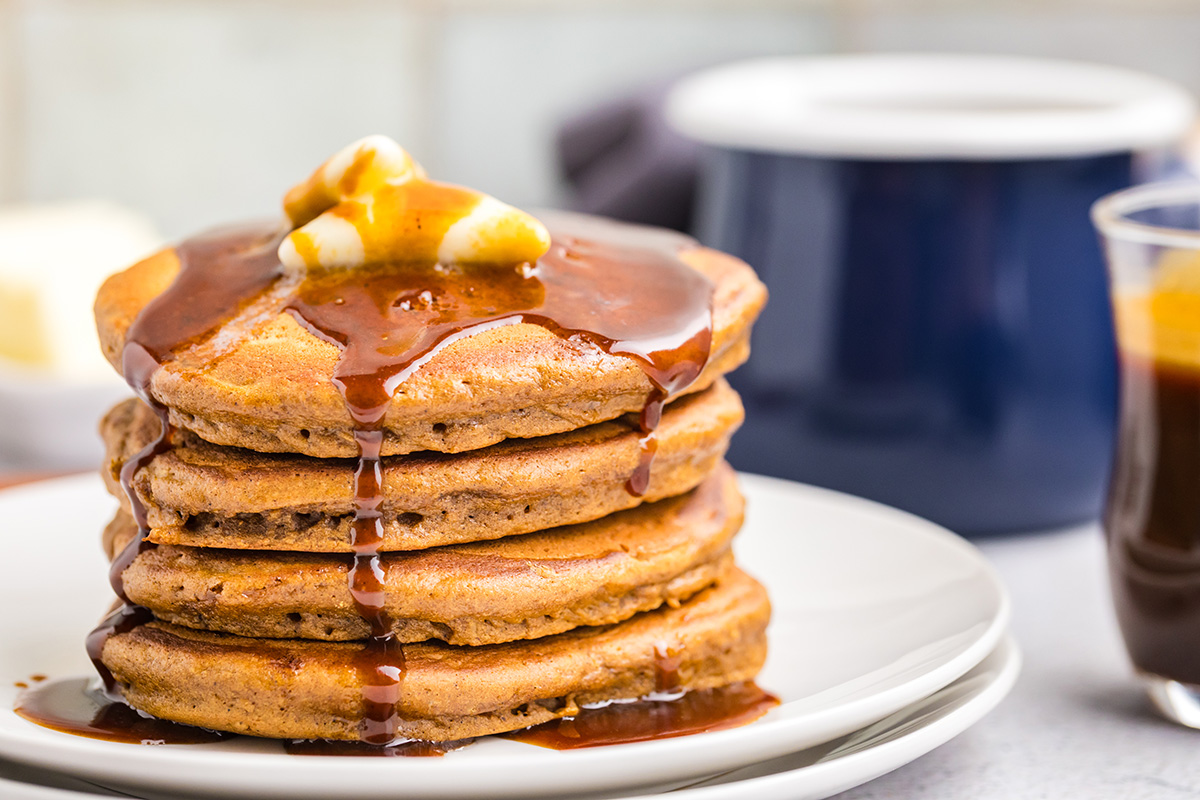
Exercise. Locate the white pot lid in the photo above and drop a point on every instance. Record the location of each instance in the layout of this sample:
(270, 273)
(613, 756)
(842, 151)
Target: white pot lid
(917, 106)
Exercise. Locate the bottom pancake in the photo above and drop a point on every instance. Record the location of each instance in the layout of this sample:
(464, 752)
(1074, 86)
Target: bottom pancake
(292, 689)
(521, 587)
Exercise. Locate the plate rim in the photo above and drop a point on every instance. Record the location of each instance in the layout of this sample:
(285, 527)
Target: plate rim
(832, 776)
(862, 766)
(722, 750)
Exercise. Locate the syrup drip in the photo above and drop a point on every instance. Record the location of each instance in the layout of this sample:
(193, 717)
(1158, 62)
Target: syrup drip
(667, 661)
(124, 617)
(698, 711)
(648, 421)
(219, 274)
(634, 298)
(381, 662)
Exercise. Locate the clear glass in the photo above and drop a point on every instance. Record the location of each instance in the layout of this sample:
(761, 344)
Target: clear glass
(1151, 238)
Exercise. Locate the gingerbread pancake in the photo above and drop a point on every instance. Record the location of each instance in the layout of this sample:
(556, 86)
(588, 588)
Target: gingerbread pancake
(265, 382)
(521, 587)
(299, 689)
(199, 494)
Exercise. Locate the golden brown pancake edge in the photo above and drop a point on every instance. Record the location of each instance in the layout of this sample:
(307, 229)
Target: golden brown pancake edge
(199, 494)
(523, 587)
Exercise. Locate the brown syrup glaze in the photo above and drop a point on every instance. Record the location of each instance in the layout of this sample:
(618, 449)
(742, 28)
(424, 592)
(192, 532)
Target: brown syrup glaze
(220, 273)
(648, 421)
(381, 661)
(646, 720)
(667, 660)
(405, 748)
(645, 304)
(69, 706)
(629, 295)
(122, 619)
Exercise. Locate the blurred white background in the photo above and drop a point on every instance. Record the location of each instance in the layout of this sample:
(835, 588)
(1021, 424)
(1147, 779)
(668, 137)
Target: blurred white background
(196, 112)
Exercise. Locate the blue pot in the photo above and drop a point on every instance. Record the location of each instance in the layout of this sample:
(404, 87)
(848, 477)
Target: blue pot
(939, 335)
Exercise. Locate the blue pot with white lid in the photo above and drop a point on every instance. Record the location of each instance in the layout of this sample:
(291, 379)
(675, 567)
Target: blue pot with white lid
(939, 335)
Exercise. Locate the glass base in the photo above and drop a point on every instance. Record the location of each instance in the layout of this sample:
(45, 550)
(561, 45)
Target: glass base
(1176, 701)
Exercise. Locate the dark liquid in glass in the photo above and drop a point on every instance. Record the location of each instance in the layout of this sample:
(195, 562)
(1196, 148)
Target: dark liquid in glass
(1153, 518)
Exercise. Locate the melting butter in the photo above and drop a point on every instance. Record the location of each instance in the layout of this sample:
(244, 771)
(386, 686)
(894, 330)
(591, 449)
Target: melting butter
(372, 203)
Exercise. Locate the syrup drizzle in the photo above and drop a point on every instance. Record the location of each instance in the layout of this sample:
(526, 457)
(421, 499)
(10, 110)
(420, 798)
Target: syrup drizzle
(390, 320)
(667, 661)
(632, 297)
(219, 274)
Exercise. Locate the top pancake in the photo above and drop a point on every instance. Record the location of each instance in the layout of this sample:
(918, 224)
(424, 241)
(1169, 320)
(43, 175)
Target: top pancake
(271, 390)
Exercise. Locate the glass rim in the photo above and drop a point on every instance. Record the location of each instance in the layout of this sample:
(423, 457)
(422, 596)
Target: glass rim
(1110, 214)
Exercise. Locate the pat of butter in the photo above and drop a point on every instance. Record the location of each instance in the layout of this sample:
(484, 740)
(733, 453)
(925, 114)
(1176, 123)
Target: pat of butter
(371, 204)
(53, 258)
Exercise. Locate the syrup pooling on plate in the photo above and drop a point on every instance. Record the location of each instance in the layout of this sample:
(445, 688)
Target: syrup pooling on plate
(69, 706)
(648, 719)
(407, 748)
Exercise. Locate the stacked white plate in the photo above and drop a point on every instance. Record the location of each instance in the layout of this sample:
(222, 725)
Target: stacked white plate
(889, 637)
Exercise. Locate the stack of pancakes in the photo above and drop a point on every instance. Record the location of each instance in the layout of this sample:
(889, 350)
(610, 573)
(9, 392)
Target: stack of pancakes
(523, 576)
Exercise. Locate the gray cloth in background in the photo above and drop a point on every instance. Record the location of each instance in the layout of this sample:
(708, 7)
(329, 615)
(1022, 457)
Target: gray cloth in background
(621, 160)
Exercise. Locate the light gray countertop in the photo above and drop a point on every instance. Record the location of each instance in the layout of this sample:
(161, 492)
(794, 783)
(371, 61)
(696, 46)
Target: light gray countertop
(1076, 725)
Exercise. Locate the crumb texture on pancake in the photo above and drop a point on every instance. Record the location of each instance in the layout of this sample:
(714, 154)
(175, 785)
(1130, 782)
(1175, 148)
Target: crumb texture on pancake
(197, 494)
(523, 587)
(310, 690)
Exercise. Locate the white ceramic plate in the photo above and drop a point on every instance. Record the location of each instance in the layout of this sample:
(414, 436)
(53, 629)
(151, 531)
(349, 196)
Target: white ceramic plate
(11, 790)
(874, 610)
(810, 774)
(19, 782)
(890, 743)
